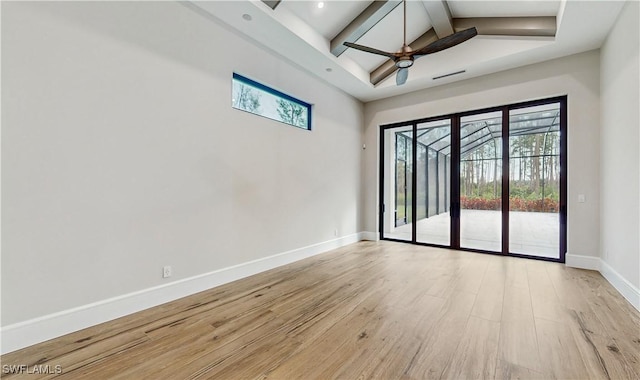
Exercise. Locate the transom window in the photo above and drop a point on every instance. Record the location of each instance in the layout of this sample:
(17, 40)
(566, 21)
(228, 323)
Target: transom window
(262, 100)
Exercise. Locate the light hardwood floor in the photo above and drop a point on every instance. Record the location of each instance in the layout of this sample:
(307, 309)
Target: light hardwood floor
(378, 310)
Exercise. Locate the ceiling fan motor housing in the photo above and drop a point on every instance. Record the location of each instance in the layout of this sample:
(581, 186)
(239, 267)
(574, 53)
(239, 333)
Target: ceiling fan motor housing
(404, 61)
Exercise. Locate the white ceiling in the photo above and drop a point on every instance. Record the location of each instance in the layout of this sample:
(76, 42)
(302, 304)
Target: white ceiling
(301, 32)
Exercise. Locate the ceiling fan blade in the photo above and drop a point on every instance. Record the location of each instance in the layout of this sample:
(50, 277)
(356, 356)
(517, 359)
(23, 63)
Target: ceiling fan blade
(370, 50)
(447, 42)
(401, 76)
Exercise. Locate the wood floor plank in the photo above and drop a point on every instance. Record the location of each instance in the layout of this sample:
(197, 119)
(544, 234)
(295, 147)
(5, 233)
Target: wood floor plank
(383, 352)
(434, 354)
(566, 288)
(519, 346)
(477, 352)
(516, 306)
(471, 275)
(518, 341)
(490, 296)
(559, 351)
(516, 273)
(510, 371)
(305, 327)
(544, 300)
(586, 292)
(371, 310)
(617, 324)
(599, 352)
(329, 344)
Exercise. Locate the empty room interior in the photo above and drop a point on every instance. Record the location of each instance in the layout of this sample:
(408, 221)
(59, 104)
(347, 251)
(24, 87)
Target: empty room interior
(291, 189)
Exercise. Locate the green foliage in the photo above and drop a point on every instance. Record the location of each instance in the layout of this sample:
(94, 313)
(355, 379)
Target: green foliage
(534, 175)
(291, 113)
(484, 190)
(525, 190)
(248, 99)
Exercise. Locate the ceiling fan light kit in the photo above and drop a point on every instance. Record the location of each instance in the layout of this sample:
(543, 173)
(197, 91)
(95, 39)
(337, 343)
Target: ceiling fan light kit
(404, 62)
(406, 56)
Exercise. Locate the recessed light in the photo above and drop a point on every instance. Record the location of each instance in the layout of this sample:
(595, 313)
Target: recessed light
(329, 69)
(247, 17)
(320, 4)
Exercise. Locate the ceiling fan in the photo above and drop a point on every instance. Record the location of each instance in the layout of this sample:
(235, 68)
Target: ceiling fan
(404, 58)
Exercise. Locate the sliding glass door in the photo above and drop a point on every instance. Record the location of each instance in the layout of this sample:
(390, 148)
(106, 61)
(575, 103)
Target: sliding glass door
(433, 182)
(481, 181)
(492, 180)
(398, 168)
(534, 180)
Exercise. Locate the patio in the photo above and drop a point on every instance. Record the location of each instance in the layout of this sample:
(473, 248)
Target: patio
(531, 233)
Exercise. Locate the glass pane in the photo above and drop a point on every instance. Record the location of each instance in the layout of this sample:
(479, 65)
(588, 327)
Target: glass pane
(534, 181)
(421, 183)
(262, 100)
(433, 182)
(397, 194)
(401, 180)
(481, 181)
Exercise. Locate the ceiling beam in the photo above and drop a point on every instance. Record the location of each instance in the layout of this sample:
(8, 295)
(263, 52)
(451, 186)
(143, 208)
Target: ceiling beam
(375, 12)
(389, 67)
(272, 3)
(495, 26)
(440, 17)
(509, 26)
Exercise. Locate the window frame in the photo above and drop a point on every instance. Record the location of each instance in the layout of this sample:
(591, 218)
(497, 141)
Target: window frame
(275, 93)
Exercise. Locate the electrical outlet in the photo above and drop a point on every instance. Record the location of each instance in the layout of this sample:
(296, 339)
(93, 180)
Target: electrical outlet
(335, 232)
(166, 271)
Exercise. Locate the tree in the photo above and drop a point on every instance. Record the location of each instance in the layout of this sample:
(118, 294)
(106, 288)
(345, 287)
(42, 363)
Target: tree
(247, 98)
(291, 113)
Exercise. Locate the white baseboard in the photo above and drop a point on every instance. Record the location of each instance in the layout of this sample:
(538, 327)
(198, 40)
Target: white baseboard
(624, 287)
(27, 333)
(582, 262)
(627, 289)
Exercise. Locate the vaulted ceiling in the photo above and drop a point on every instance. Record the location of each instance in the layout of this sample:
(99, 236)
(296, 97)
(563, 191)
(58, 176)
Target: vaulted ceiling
(311, 34)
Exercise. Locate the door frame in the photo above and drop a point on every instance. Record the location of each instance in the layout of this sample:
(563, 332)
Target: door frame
(454, 167)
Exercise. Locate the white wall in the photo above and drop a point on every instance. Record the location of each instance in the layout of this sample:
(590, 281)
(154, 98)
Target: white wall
(121, 153)
(620, 142)
(576, 76)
